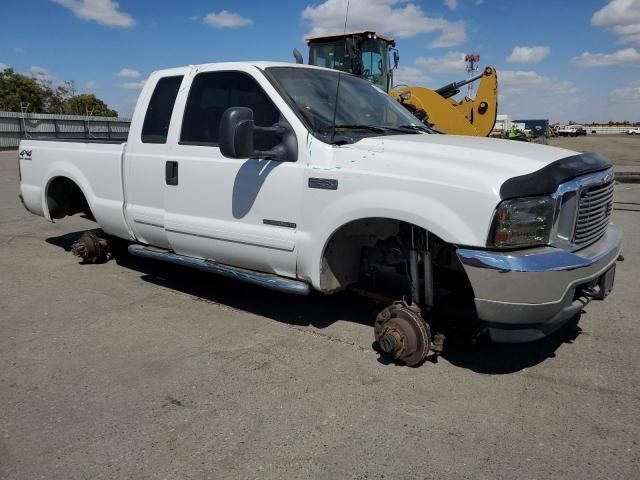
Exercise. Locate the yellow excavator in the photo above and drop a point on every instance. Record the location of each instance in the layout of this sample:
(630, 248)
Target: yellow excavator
(374, 56)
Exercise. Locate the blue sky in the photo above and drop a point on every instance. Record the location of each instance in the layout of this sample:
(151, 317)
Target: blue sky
(558, 59)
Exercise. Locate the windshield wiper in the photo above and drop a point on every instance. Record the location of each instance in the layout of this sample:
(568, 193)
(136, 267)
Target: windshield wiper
(371, 128)
(416, 128)
(376, 129)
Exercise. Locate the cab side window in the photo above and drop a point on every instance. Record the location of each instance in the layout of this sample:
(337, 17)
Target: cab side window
(158, 117)
(211, 94)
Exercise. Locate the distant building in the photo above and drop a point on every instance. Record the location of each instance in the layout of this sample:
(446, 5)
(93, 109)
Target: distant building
(503, 123)
(537, 127)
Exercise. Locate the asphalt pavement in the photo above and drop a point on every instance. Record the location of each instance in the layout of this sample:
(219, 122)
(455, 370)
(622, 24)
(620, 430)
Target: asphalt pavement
(134, 369)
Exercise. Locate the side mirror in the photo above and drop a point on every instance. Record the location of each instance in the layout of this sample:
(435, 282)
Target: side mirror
(237, 133)
(396, 59)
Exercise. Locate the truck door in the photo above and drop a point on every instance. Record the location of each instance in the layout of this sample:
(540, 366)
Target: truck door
(240, 212)
(144, 166)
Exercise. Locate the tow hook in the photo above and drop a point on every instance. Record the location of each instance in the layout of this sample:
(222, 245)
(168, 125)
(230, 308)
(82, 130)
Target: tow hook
(91, 248)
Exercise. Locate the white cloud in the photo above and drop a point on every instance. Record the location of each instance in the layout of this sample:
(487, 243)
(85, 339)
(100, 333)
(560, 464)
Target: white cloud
(226, 19)
(622, 17)
(528, 94)
(452, 62)
(410, 76)
(134, 85)
(528, 54)
(129, 73)
(41, 74)
(104, 12)
(625, 95)
(627, 56)
(395, 17)
(3, 66)
(451, 4)
(517, 82)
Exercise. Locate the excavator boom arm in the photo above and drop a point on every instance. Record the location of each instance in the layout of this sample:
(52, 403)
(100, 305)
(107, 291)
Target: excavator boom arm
(475, 116)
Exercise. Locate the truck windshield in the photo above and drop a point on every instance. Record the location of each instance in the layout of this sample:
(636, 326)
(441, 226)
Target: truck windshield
(363, 110)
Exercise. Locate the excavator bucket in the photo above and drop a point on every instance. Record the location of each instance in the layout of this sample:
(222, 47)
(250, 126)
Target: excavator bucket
(475, 117)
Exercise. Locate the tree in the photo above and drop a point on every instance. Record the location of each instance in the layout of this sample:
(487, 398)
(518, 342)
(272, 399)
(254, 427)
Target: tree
(17, 90)
(43, 97)
(87, 104)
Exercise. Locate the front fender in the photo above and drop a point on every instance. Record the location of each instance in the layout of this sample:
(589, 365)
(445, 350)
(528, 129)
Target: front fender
(427, 213)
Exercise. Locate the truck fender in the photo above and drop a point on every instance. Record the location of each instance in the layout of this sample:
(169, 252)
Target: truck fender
(429, 214)
(73, 173)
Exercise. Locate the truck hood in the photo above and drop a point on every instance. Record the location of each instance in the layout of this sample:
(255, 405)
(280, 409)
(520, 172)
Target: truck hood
(448, 184)
(479, 161)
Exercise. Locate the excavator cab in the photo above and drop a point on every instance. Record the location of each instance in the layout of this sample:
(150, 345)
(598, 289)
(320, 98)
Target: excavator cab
(362, 53)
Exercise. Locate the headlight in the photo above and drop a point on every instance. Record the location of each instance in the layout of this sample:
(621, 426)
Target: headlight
(522, 222)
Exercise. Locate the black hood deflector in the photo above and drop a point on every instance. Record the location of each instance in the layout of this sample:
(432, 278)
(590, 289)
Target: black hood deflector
(547, 180)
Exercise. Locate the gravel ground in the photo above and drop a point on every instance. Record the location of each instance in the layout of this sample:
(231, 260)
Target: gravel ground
(621, 150)
(134, 369)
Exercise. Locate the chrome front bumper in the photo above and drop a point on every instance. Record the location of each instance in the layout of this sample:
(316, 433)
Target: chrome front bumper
(527, 294)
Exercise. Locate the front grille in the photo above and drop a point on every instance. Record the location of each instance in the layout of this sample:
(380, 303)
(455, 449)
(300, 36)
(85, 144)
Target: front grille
(594, 213)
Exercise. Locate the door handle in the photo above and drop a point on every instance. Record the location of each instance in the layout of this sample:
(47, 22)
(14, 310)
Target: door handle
(171, 173)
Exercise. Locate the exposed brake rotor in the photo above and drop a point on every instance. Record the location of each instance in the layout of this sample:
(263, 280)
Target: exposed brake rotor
(402, 333)
(91, 248)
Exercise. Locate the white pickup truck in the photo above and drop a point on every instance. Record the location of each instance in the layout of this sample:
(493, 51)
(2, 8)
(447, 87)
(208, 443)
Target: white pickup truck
(253, 170)
(571, 131)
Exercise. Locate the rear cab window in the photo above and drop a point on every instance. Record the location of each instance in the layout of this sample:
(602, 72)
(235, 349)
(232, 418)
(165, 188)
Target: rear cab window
(158, 117)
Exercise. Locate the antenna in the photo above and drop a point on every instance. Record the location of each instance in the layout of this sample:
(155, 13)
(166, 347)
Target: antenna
(335, 107)
(471, 59)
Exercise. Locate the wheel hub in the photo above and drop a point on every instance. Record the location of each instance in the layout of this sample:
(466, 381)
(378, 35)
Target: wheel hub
(402, 333)
(91, 249)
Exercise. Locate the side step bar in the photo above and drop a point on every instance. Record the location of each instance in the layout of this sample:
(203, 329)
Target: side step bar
(274, 282)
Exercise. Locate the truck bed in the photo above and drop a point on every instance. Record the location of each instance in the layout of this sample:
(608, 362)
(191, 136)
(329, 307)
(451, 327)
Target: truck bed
(95, 166)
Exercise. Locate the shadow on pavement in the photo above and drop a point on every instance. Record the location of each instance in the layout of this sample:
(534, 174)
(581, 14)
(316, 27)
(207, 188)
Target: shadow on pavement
(321, 311)
(316, 309)
(502, 358)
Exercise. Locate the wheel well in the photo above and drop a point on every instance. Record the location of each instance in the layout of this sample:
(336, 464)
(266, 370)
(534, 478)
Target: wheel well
(65, 198)
(340, 264)
(374, 254)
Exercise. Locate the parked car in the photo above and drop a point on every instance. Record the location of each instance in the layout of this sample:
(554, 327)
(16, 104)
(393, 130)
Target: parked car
(254, 171)
(634, 131)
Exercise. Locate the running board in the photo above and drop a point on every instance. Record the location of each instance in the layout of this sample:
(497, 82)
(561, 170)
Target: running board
(274, 282)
